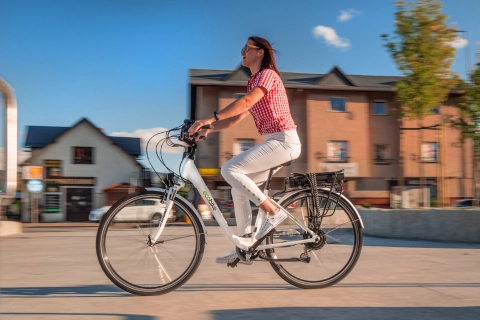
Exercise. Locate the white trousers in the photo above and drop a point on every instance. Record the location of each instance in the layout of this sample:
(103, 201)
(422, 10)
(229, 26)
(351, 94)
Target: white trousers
(250, 169)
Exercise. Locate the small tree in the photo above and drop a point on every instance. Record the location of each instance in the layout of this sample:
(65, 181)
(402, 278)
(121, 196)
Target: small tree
(422, 50)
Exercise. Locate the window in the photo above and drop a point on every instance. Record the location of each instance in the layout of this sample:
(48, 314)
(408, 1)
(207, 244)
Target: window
(379, 108)
(382, 154)
(337, 151)
(337, 104)
(242, 145)
(53, 168)
(82, 155)
(148, 202)
(429, 152)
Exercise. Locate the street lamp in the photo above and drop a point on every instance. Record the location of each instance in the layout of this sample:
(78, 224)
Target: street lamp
(468, 61)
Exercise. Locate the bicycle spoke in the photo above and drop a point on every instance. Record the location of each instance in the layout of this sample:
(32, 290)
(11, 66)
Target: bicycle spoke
(162, 241)
(161, 270)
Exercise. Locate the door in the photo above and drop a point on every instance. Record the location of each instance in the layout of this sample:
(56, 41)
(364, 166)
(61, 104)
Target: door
(79, 203)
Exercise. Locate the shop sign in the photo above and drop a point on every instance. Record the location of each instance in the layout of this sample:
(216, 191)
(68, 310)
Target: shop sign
(72, 181)
(32, 173)
(351, 168)
(34, 186)
(209, 172)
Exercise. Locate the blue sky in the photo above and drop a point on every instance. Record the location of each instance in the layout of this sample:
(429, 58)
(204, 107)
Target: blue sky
(124, 63)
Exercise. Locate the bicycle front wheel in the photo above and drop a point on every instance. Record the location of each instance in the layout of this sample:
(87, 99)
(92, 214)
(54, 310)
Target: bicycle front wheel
(333, 257)
(130, 259)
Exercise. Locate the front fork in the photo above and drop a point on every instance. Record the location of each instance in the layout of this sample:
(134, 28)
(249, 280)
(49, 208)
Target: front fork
(171, 194)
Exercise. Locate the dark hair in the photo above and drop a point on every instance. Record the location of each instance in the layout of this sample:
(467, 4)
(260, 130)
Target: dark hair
(268, 61)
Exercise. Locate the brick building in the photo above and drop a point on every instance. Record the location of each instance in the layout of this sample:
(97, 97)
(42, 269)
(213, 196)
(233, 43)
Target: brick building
(344, 121)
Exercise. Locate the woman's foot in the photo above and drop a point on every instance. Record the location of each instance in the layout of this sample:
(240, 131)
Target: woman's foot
(270, 222)
(229, 258)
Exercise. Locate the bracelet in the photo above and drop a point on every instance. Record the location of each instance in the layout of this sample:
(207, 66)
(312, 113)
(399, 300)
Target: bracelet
(215, 114)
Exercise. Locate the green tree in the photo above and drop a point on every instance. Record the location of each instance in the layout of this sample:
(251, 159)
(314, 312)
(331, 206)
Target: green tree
(469, 121)
(422, 50)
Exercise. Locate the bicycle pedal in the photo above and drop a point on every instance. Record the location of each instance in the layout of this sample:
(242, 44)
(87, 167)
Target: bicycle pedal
(234, 263)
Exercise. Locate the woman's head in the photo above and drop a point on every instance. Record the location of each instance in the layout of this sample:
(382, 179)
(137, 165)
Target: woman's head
(265, 52)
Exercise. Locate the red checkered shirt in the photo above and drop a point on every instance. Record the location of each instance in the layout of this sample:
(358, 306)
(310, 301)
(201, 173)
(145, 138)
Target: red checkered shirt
(271, 113)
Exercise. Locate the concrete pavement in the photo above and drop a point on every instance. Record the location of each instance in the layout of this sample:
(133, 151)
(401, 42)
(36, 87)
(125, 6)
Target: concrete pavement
(51, 272)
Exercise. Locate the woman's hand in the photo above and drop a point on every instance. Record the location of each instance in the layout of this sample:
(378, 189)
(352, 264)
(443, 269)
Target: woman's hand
(196, 126)
(202, 134)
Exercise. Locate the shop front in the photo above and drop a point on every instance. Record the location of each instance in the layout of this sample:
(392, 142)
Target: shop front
(68, 198)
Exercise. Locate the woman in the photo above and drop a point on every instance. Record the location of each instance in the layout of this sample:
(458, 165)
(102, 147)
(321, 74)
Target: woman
(266, 100)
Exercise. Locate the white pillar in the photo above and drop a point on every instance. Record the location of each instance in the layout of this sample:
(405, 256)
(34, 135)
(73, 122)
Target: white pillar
(11, 127)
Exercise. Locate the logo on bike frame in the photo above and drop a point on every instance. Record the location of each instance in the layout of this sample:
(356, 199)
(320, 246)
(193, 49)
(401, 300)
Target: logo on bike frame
(210, 200)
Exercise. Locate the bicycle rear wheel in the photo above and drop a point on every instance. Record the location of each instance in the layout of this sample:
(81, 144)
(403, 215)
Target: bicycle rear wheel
(332, 258)
(127, 255)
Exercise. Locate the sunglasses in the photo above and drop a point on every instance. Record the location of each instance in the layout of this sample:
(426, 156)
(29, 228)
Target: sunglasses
(247, 48)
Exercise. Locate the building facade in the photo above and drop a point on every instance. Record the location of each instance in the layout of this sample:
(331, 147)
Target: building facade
(344, 122)
(78, 163)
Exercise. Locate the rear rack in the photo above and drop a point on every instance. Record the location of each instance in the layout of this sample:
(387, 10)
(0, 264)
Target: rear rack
(323, 179)
(332, 180)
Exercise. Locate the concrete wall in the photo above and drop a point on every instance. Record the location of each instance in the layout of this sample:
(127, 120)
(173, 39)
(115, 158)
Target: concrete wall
(436, 224)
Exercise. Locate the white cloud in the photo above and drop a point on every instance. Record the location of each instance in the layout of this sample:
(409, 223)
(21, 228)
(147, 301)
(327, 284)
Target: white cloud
(459, 43)
(346, 15)
(330, 37)
(145, 135)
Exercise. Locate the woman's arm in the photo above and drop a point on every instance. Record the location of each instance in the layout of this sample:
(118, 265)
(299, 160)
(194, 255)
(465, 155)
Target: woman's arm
(236, 108)
(221, 125)
(241, 105)
(228, 122)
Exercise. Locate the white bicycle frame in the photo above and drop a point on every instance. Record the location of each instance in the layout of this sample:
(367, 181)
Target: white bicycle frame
(190, 172)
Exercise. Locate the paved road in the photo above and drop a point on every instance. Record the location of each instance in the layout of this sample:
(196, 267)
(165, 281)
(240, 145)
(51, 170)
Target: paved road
(53, 273)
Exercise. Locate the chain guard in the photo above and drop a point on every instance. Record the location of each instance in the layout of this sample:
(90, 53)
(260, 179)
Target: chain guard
(242, 254)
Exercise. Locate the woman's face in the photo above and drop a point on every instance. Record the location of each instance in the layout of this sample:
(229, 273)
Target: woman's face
(252, 54)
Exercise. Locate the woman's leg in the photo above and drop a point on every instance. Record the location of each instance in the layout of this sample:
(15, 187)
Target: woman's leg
(243, 212)
(250, 168)
(243, 209)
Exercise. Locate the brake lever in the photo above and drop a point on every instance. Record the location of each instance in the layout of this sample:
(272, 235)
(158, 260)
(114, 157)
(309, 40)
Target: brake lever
(207, 126)
(199, 137)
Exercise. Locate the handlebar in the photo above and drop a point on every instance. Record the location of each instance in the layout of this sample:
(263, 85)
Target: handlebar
(185, 137)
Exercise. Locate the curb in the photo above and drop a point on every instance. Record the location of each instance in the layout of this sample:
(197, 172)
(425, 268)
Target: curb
(9, 228)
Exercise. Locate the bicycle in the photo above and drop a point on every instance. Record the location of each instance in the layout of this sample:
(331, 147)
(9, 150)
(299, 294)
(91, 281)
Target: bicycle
(316, 247)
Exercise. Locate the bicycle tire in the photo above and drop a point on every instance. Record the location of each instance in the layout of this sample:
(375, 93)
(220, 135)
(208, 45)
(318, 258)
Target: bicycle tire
(329, 263)
(135, 266)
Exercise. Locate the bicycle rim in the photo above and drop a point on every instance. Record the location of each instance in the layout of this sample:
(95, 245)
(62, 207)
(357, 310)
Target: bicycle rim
(331, 259)
(127, 256)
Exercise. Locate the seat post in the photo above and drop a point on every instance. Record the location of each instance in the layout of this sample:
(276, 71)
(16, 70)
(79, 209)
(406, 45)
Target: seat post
(267, 185)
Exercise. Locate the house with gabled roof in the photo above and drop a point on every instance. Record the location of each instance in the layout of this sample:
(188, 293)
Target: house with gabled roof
(79, 162)
(344, 122)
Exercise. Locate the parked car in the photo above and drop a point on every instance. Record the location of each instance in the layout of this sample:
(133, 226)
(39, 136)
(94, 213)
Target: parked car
(464, 203)
(141, 210)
